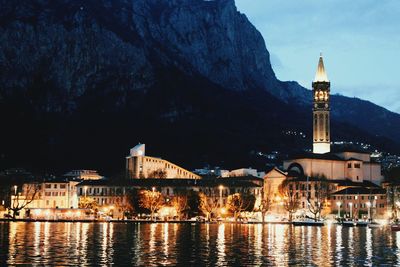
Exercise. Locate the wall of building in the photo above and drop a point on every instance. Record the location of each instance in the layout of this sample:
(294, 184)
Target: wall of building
(272, 181)
(354, 170)
(372, 172)
(331, 169)
(144, 166)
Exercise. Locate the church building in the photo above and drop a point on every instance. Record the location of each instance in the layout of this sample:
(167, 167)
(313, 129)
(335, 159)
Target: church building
(346, 171)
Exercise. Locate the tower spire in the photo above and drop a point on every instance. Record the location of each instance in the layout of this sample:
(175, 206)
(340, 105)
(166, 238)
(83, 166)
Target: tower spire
(321, 75)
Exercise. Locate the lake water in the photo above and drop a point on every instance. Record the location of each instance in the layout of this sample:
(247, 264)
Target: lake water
(149, 244)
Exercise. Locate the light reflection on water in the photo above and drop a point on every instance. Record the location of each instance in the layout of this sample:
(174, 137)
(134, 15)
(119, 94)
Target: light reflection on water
(149, 244)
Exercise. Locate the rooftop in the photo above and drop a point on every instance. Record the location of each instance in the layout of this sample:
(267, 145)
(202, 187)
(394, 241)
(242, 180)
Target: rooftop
(360, 191)
(245, 181)
(321, 75)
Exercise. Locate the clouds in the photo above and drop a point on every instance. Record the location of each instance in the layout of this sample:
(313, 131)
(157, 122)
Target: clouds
(360, 40)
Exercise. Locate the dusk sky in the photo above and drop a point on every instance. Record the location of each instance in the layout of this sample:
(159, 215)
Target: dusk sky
(359, 39)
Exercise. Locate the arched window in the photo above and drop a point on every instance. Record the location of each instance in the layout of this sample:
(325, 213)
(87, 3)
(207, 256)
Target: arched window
(321, 127)
(327, 127)
(315, 127)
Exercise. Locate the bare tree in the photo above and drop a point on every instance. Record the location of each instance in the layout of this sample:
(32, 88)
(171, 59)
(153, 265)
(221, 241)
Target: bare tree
(392, 185)
(180, 203)
(151, 200)
(321, 193)
(237, 203)
(266, 201)
(291, 202)
(20, 200)
(209, 204)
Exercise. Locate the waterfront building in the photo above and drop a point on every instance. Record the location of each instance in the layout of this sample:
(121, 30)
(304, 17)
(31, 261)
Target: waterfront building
(112, 195)
(360, 202)
(48, 194)
(138, 165)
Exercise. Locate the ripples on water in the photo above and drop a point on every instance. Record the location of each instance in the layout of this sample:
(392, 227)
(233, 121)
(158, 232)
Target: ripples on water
(149, 244)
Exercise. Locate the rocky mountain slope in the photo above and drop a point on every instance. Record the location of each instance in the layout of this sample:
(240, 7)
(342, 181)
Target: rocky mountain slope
(82, 81)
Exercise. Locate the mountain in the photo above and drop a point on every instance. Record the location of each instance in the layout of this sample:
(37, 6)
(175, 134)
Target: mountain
(83, 81)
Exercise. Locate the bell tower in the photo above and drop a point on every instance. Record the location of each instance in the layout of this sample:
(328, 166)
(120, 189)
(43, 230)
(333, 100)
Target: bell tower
(321, 121)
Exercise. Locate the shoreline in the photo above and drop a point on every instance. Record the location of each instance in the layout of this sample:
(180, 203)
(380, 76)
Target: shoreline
(132, 221)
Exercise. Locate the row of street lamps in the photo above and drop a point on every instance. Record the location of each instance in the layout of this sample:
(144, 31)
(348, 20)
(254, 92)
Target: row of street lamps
(339, 204)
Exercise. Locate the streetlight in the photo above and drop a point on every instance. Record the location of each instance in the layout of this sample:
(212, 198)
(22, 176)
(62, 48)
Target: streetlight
(153, 189)
(338, 205)
(351, 210)
(85, 189)
(15, 190)
(369, 209)
(221, 187)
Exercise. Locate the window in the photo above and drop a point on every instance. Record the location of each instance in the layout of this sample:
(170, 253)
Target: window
(349, 165)
(63, 186)
(47, 194)
(357, 165)
(55, 186)
(47, 186)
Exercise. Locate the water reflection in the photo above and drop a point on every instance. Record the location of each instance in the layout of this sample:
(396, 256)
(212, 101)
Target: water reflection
(152, 244)
(221, 244)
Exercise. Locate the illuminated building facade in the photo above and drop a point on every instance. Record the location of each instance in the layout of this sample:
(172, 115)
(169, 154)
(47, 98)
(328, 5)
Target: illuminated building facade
(52, 194)
(138, 165)
(112, 196)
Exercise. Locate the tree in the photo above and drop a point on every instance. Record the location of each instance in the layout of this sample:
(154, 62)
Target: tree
(151, 200)
(208, 204)
(133, 199)
(393, 191)
(87, 203)
(321, 193)
(123, 205)
(20, 200)
(158, 174)
(180, 203)
(291, 201)
(193, 203)
(266, 201)
(238, 202)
